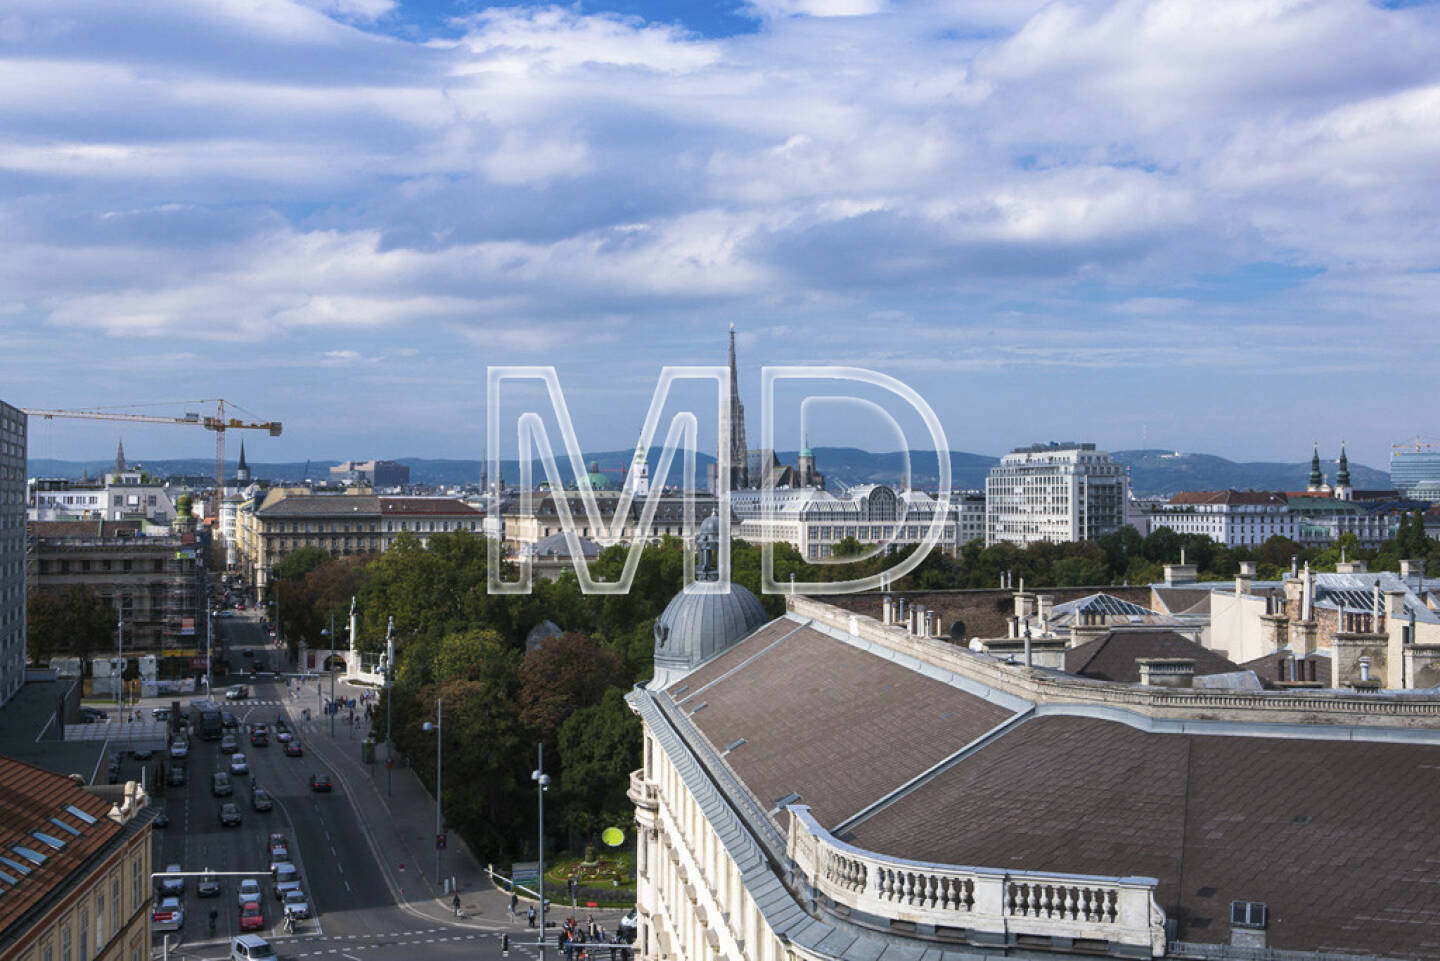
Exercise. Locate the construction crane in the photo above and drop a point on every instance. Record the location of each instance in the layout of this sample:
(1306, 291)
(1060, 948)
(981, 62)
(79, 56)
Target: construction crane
(219, 424)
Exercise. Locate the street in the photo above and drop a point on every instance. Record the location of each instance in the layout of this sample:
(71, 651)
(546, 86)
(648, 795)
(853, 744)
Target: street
(355, 906)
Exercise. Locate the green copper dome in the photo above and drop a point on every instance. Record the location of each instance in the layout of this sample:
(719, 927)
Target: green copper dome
(598, 481)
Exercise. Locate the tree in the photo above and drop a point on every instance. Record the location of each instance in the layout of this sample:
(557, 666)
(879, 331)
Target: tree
(598, 746)
(566, 673)
(848, 547)
(295, 565)
(70, 623)
(1078, 572)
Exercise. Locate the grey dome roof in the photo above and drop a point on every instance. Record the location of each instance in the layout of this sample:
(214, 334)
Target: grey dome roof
(696, 626)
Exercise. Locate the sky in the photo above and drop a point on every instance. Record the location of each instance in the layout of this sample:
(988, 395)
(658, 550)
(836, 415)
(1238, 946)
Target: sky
(1190, 224)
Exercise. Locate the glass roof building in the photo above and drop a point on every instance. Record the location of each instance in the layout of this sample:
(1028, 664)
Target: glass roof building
(1412, 466)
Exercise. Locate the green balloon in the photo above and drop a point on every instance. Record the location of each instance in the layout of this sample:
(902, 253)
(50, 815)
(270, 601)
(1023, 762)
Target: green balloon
(614, 837)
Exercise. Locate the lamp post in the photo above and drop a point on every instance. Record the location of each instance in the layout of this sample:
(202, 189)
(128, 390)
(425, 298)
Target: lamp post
(209, 653)
(389, 669)
(542, 781)
(330, 666)
(439, 730)
(120, 667)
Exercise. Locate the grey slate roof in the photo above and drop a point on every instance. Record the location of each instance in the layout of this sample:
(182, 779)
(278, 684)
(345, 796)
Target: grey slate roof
(697, 626)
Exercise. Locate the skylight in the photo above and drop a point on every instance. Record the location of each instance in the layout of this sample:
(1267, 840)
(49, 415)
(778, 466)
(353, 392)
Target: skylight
(47, 839)
(87, 818)
(65, 827)
(29, 854)
(7, 878)
(22, 868)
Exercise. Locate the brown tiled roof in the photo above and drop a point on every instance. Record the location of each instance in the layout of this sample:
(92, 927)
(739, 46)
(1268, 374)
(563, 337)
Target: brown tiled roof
(81, 528)
(837, 725)
(983, 611)
(322, 505)
(1338, 838)
(29, 797)
(426, 505)
(1227, 497)
(1112, 657)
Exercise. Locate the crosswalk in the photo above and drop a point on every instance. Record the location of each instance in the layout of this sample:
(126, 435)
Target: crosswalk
(347, 943)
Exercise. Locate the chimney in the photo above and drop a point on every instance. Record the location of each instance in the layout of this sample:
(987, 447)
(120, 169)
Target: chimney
(1181, 573)
(1351, 567)
(1413, 569)
(885, 609)
(1043, 605)
(1166, 671)
(1249, 569)
(1024, 603)
(1364, 669)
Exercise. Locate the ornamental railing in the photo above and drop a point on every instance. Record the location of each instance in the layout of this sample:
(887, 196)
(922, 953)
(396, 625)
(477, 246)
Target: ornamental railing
(983, 904)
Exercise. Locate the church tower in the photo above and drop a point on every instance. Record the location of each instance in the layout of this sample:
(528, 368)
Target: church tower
(1343, 490)
(739, 451)
(1317, 479)
(638, 480)
(120, 458)
(242, 470)
(805, 463)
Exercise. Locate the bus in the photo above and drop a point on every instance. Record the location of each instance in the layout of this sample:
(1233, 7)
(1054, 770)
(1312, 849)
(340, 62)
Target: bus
(206, 721)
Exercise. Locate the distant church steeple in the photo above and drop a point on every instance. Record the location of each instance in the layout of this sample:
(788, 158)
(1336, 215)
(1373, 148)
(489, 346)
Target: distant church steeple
(739, 451)
(242, 470)
(120, 458)
(1342, 476)
(1317, 479)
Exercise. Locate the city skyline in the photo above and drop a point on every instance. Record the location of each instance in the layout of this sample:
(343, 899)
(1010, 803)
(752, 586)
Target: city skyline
(1164, 225)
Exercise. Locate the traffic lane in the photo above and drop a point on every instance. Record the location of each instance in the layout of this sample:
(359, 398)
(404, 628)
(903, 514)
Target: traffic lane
(196, 841)
(341, 877)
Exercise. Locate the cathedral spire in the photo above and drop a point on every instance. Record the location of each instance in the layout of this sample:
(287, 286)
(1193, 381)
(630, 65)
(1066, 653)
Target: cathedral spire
(739, 451)
(242, 470)
(1317, 479)
(1342, 475)
(120, 458)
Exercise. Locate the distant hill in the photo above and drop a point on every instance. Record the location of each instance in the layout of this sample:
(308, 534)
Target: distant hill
(1152, 472)
(1168, 472)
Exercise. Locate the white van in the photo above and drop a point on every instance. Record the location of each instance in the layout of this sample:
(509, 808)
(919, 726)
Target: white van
(251, 947)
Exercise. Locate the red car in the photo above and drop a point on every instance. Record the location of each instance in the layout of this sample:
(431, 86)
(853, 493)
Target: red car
(293, 749)
(252, 918)
(259, 739)
(320, 782)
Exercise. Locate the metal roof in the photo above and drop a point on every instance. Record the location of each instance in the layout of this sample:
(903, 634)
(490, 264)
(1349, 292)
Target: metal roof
(1106, 604)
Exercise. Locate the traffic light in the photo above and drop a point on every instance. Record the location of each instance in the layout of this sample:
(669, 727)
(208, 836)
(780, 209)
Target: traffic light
(505, 945)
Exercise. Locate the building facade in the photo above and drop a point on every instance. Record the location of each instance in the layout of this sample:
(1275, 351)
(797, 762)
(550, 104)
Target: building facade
(379, 474)
(527, 525)
(284, 521)
(155, 584)
(128, 495)
(1412, 465)
(12, 550)
(74, 869)
(813, 521)
(1229, 517)
(1057, 493)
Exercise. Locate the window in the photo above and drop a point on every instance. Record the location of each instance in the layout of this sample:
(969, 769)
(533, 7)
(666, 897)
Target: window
(65, 943)
(135, 898)
(99, 920)
(84, 926)
(1247, 914)
(115, 905)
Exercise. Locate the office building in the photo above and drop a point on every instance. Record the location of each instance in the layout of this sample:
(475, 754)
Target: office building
(377, 474)
(12, 550)
(1412, 465)
(1057, 493)
(813, 521)
(1229, 517)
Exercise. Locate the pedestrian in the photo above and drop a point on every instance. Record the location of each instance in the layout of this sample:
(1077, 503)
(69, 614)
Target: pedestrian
(514, 900)
(530, 916)
(455, 903)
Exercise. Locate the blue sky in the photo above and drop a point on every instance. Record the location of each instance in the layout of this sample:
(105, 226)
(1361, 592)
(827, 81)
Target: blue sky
(1202, 224)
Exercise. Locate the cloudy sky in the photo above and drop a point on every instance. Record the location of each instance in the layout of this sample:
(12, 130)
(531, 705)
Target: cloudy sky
(1196, 224)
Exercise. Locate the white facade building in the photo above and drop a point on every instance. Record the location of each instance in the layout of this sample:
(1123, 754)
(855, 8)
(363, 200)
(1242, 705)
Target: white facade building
(812, 520)
(1056, 493)
(1232, 518)
(126, 495)
(12, 550)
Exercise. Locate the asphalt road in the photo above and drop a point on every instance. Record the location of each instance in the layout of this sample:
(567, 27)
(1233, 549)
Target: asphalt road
(355, 914)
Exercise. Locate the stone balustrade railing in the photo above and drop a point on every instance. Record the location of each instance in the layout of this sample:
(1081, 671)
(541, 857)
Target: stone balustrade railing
(989, 905)
(642, 793)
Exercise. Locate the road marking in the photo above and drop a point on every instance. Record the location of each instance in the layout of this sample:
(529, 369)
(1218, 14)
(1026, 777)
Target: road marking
(347, 885)
(338, 866)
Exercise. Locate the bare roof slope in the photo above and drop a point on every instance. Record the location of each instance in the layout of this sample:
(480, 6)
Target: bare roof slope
(820, 718)
(1112, 656)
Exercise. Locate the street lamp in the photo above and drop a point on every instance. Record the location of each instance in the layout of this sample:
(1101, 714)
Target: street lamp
(439, 784)
(120, 667)
(542, 782)
(389, 673)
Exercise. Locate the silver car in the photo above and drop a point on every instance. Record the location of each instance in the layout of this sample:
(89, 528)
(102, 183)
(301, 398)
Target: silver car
(169, 915)
(249, 891)
(295, 904)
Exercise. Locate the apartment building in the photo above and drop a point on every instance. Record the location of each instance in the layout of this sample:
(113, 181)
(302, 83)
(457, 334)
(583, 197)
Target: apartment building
(12, 550)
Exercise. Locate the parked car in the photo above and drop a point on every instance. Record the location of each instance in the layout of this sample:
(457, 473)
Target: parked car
(320, 783)
(173, 885)
(169, 915)
(260, 800)
(229, 815)
(249, 891)
(238, 764)
(293, 749)
(220, 785)
(251, 947)
(295, 904)
(279, 854)
(93, 715)
(287, 878)
(175, 776)
(229, 744)
(252, 917)
(180, 748)
(209, 886)
(160, 714)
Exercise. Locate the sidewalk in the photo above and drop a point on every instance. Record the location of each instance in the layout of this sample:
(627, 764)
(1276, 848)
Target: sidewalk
(399, 818)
